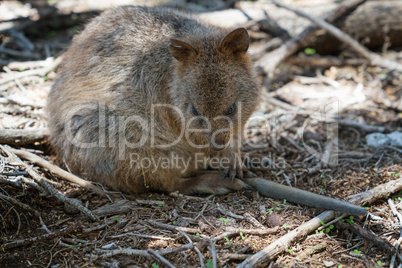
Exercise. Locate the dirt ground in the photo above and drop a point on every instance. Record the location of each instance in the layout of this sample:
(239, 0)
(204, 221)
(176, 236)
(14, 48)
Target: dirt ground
(313, 105)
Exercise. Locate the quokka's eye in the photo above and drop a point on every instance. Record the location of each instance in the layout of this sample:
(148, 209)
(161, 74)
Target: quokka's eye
(194, 111)
(232, 109)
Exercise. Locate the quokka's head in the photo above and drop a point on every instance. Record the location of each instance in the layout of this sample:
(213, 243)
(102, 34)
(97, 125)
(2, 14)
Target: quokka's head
(214, 85)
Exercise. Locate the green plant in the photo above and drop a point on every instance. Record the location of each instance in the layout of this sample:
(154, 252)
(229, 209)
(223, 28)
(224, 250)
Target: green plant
(357, 251)
(379, 263)
(242, 236)
(329, 228)
(309, 51)
(154, 265)
(350, 220)
(224, 220)
(269, 211)
(116, 219)
(209, 263)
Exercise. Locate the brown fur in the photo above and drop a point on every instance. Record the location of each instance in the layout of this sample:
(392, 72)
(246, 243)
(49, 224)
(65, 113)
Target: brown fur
(130, 58)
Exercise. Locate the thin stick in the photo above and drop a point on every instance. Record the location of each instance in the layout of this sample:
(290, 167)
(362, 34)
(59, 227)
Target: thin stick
(372, 57)
(22, 136)
(270, 252)
(36, 160)
(158, 257)
(269, 62)
(28, 241)
(42, 182)
(25, 207)
(39, 72)
(213, 253)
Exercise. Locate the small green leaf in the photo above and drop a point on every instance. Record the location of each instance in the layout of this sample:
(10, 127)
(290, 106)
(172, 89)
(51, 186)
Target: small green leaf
(284, 201)
(22, 69)
(116, 219)
(174, 223)
(309, 51)
(226, 238)
(379, 263)
(357, 251)
(198, 234)
(289, 250)
(285, 225)
(154, 265)
(161, 205)
(224, 220)
(209, 263)
(242, 236)
(269, 211)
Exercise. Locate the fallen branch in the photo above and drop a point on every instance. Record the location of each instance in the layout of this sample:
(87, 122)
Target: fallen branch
(137, 252)
(22, 136)
(372, 57)
(36, 160)
(35, 72)
(372, 238)
(28, 241)
(43, 183)
(270, 60)
(363, 127)
(325, 62)
(15, 202)
(270, 252)
(159, 257)
(236, 231)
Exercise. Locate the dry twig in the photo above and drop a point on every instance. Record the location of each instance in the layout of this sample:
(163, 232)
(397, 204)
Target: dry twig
(28, 241)
(270, 252)
(270, 60)
(159, 257)
(22, 136)
(42, 182)
(372, 57)
(36, 160)
(372, 238)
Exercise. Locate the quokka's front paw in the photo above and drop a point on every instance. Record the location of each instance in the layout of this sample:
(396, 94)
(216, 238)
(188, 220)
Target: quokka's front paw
(234, 168)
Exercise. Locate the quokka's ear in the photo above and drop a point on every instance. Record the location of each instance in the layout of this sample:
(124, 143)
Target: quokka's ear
(236, 42)
(182, 51)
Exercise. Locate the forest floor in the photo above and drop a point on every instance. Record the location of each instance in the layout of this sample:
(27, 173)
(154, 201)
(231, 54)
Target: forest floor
(305, 109)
